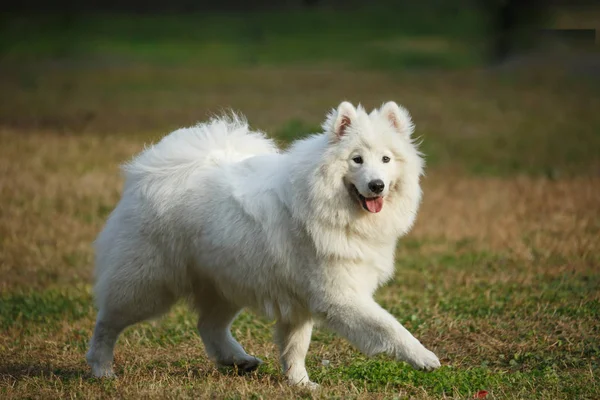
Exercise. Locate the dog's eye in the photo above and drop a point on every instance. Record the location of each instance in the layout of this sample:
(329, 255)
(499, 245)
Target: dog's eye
(358, 159)
(385, 159)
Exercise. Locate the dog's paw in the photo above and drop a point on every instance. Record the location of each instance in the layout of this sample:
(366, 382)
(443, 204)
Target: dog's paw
(311, 385)
(305, 384)
(247, 365)
(423, 359)
(242, 365)
(298, 377)
(103, 372)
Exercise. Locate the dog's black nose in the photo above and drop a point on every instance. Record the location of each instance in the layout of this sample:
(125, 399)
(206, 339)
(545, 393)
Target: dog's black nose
(376, 186)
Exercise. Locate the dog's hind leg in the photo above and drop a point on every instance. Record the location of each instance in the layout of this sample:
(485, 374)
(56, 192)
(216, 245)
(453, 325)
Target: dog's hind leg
(293, 340)
(122, 302)
(214, 326)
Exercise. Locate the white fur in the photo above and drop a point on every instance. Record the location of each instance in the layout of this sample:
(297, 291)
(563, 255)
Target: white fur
(217, 214)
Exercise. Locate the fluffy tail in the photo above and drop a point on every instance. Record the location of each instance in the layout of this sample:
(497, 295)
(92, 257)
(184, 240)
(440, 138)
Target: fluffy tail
(219, 141)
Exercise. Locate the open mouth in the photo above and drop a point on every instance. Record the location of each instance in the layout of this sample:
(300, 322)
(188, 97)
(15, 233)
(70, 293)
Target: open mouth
(370, 204)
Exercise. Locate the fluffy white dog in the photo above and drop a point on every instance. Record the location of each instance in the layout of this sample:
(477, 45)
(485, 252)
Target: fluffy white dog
(219, 215)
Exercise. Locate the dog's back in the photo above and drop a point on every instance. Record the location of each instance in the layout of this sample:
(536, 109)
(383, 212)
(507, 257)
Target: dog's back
(220, 141)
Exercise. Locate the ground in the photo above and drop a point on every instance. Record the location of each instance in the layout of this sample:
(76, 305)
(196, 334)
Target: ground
(499, 276)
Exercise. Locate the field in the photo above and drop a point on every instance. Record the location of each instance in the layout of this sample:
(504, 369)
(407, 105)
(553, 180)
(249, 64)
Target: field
(500, 276)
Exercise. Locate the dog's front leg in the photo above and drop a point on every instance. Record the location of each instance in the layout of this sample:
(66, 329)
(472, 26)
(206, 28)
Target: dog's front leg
(293, 339)
(373, 330)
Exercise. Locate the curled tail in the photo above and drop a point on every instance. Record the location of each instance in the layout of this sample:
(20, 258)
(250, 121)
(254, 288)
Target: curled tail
(219, 141)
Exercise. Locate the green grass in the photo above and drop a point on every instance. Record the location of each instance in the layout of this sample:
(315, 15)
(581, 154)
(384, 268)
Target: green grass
(23, 310)
(448, 381)
(532, 355)
(373, 38)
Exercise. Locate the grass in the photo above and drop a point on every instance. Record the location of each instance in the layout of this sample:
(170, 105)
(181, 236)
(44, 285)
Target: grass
(497, 332)
(384, 37)
(499, 275)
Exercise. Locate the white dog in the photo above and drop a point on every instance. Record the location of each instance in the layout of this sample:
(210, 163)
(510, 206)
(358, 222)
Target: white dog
(218, 214)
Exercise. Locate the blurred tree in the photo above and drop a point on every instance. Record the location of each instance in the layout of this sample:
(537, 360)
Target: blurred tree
(310, 3)
(515, 24)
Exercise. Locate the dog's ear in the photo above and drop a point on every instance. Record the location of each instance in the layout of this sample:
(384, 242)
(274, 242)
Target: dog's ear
(398, 117)
(338, 121)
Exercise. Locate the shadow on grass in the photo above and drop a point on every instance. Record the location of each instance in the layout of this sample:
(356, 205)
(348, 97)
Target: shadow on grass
(21, 370)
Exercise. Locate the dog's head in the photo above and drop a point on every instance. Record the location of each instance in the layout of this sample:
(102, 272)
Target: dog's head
(375, 153)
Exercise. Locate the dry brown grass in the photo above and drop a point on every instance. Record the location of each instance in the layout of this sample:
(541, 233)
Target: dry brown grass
(515, 215)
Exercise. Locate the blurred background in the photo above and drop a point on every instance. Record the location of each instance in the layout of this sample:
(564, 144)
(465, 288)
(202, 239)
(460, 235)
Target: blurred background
(500, 273)
(122, 66)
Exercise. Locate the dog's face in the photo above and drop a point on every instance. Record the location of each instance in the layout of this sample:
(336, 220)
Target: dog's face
(370, 174)
(375, 148)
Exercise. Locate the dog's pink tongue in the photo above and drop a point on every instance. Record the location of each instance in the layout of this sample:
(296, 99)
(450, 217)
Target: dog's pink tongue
(374, 205)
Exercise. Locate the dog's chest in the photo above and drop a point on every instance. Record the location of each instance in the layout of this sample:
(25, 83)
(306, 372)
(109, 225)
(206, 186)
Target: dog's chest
(363, 275)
